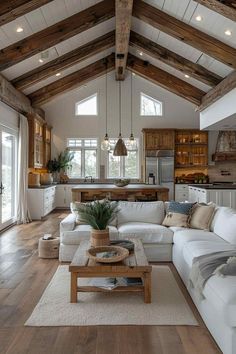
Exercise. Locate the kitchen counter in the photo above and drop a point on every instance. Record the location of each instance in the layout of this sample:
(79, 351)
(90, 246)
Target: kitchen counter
(214, 186)
(87, 192)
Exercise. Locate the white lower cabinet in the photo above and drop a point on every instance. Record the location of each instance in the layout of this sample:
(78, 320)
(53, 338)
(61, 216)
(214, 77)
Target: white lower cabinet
(63, 195)
(41, 201)
(181, 192)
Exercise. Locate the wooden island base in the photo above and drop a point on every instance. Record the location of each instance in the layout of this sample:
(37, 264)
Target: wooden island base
(131, 192)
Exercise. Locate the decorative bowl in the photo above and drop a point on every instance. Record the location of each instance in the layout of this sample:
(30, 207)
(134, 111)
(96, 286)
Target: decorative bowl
(121, 253)
(122, 182)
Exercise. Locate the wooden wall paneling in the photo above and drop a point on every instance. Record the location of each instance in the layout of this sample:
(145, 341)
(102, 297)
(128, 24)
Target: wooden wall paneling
(185, 33)
(75, 79)
(174, 60)
(164, 79)
(57, 33)
(65, 61)
(123, 25)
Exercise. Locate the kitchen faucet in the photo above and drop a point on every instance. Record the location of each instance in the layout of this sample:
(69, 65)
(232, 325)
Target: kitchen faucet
(89, 177)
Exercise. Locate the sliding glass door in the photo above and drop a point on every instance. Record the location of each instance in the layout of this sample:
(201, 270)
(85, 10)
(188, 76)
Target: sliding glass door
(8, 177)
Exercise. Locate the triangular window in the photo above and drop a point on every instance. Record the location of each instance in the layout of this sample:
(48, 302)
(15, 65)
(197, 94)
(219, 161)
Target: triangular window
(150, 106)
(87, 107)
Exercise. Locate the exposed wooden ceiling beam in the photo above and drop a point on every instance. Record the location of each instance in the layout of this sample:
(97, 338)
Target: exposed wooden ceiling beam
(228, 84)
(73, 80)
(226, 8)
(57, 33)
(164, 79)
(123, 25)
(185, 33)
(65, 61)
(11, 9)
(174, 60)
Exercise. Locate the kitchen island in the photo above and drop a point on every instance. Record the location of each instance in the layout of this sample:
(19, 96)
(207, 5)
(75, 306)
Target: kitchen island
(220, 194)
(132, 192)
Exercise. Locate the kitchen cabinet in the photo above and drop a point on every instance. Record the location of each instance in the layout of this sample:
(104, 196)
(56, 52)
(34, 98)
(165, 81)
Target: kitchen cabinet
(41, 201)
(47, 136)
(36, 141)
(191, 149)
(159, 139)
(63, 195)
(221, 197)
(181, 192)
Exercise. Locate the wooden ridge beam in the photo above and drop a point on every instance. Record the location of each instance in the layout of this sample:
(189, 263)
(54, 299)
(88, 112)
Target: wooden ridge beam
(57, 33)
(73, 80)
(185, 33)
(225, 86)
(225, 8)
(123, 25)
(11, 9)
(65, 61)
(164, 79)
(174, 60)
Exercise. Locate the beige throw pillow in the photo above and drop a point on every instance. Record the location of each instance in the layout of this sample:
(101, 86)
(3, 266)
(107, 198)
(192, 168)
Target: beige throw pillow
(201, 216)
(175, 219)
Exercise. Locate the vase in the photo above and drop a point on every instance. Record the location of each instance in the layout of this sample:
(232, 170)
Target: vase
(99, 238)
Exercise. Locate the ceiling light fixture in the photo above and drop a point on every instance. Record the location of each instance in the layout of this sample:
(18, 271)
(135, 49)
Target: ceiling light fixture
(105, 144)
(141, 53)
(198, 18)
(58, 74)
(41, 60)
(132, 141)
(19, 29)
(187, 76)
(228, 33)
(120, 148)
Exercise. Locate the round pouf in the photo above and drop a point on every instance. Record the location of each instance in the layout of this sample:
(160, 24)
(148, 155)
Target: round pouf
(49, 248)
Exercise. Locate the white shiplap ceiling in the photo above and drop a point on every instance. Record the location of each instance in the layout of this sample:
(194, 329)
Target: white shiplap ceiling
(186, 10)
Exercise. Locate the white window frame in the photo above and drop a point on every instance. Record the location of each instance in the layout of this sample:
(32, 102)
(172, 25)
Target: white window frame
(82, 148)
(153, 99)
(122, 161)
(84, 100)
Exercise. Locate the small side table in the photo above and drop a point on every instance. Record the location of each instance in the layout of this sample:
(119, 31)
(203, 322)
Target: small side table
(49, 248)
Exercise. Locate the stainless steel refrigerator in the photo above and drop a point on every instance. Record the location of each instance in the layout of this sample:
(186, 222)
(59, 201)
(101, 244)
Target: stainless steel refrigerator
(161, 164)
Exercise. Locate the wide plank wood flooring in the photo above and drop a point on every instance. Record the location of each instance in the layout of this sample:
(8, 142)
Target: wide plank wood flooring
(23, 278)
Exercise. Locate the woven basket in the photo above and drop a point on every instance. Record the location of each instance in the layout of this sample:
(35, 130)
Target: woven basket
(122, 253)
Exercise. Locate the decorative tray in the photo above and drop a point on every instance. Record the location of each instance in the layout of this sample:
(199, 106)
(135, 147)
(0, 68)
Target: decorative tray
(107, 254)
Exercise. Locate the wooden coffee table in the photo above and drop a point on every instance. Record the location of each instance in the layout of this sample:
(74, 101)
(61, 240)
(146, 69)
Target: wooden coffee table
(134, 266)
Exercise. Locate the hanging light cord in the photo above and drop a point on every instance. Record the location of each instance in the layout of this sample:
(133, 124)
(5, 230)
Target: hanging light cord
(106, 97)
(131, 108)
(120, 106)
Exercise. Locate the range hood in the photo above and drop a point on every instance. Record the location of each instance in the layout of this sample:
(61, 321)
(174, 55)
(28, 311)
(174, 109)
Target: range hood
(225, 146)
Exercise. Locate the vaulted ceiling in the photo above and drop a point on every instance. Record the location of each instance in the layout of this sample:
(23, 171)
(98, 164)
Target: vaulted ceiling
(188, 47)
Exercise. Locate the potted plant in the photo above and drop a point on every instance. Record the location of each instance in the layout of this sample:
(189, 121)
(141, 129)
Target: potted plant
(98, 215)
(61, 164)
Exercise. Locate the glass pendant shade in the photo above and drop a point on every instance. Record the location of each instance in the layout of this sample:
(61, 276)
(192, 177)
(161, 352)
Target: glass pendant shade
(120, 148)
(105, 144)
(132, 142)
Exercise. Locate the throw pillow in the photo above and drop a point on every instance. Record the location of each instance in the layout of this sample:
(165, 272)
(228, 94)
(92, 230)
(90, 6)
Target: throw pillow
(74, 210)
(177, 214)
(201, 216)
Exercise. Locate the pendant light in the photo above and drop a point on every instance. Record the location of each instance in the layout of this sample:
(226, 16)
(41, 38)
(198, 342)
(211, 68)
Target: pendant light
(132, 141)
(105, 144)
(120, 148)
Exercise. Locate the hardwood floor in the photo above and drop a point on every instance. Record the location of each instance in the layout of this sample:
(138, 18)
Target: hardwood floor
(23, 278)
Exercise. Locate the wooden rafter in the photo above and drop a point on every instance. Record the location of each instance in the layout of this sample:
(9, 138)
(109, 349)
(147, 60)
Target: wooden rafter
(54, 34)
(174, 60)
(226, 8)
(123, 25)
(73, 80)
(65, 61)
(185, 33)
(164, 79)
(225, 86)
(11, 9)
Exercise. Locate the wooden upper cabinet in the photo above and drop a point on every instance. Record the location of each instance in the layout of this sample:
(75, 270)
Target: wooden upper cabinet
(159, 139)
(47, 134)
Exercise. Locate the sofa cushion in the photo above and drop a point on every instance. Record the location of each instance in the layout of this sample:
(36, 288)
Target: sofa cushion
(198, 248)
(225, 224)
(188, 235)
(68, 223)
(82, 232)
(148, 233)
(177, 214)
(149, 212)
(201, 216)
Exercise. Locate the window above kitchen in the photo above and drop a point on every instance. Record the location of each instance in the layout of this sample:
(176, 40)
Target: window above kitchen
(150, 106)
(87, 106)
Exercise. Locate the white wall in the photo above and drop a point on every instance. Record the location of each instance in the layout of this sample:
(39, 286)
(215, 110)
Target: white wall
(60, 113)
(8, 117)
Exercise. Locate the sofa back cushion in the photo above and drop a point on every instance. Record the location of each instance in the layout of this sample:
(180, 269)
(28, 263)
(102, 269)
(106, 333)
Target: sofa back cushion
(224, 224)
(149, 212)
(177, 214)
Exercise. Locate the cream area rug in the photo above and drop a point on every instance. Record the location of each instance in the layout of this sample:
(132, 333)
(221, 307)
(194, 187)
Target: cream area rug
(168, 306)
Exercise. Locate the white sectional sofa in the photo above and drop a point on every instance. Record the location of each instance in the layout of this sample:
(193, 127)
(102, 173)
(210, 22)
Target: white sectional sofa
(179, 245)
